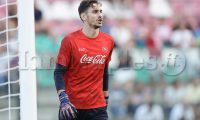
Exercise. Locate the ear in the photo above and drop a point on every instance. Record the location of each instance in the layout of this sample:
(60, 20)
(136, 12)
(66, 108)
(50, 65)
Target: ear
(83, 16)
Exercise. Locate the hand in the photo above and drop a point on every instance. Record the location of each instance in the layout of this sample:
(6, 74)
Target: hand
(106, 99)
(67, 110)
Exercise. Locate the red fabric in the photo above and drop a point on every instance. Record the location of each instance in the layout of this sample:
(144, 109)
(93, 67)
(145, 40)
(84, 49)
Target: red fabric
(151, 45)
(85, 59)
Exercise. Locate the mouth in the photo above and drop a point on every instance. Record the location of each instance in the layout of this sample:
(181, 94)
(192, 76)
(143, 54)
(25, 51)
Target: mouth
(100, 20)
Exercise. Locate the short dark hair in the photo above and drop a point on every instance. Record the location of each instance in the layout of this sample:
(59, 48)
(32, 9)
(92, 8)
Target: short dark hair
(85, 4)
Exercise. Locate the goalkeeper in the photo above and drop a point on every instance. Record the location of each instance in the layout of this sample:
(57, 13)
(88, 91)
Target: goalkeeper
(81, 74)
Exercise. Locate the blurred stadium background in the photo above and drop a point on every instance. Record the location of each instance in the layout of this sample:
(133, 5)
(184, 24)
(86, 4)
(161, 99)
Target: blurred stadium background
(141, 29)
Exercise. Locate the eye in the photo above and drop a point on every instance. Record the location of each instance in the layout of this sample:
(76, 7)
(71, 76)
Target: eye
(95, 11)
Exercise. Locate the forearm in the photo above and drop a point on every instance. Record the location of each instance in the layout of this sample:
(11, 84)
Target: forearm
(105, 81)
(59, 78)
(106, 94)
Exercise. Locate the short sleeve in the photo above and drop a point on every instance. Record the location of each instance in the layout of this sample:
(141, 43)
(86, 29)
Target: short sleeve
(64, 53)
(110, 54)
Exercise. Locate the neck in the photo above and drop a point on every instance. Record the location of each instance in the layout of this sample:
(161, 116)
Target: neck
(90, 32)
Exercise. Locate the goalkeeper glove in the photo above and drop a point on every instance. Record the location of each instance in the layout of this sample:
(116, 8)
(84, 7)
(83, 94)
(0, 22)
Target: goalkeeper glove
(67, 110)
(106, 99)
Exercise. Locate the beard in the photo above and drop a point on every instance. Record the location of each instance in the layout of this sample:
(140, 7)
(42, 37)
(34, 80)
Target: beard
(97, 26)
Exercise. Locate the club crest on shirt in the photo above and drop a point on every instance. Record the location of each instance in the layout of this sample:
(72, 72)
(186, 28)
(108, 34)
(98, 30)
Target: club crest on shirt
(98, 59)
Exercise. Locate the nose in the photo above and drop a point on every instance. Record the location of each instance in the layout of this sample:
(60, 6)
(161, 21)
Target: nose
(100, 15)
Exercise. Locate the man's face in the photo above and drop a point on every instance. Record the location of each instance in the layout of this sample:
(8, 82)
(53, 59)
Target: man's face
(94, 17)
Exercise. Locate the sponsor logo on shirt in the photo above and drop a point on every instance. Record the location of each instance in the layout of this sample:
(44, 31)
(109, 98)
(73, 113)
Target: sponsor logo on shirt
(98, 59)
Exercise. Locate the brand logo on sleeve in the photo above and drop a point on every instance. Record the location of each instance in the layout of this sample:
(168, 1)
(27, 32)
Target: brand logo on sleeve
(98, 59)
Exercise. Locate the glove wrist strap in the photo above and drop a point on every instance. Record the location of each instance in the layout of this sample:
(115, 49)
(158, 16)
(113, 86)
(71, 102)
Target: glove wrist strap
(63, 97)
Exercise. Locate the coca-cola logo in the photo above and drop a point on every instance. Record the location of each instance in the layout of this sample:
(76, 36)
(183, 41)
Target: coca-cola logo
(98, 59)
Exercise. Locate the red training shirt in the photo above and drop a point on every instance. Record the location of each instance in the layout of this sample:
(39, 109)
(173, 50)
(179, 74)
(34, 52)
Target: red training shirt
(85, 59)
